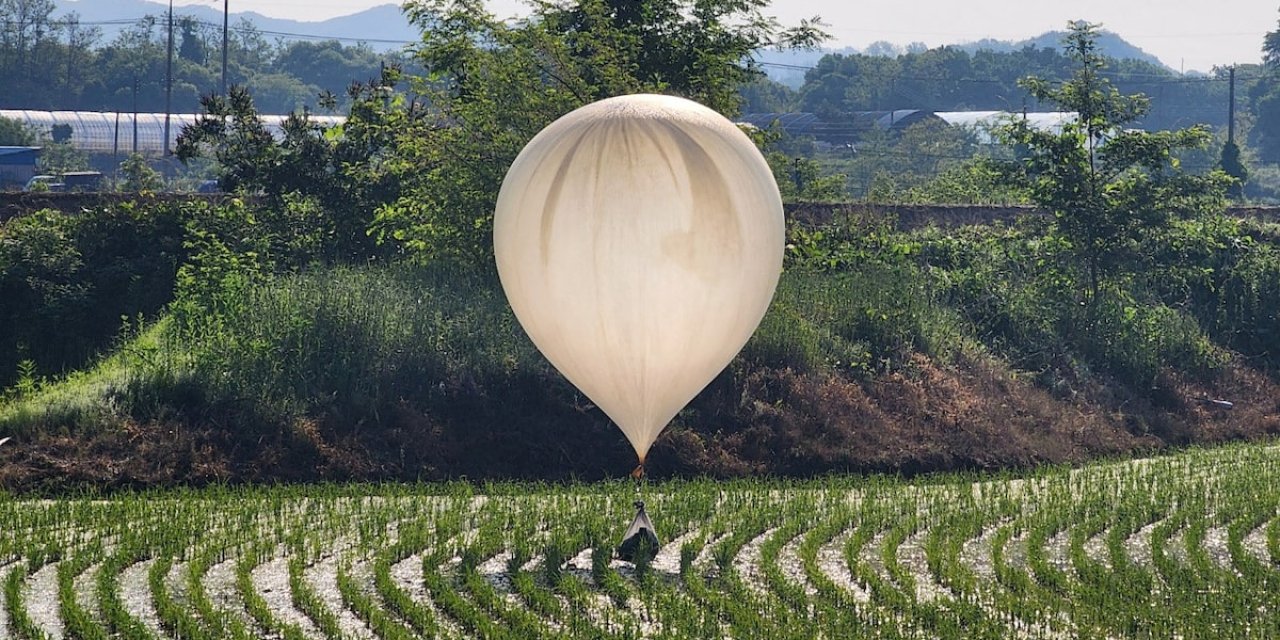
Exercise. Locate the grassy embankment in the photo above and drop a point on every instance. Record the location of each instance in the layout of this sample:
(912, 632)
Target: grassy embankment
(884, 351)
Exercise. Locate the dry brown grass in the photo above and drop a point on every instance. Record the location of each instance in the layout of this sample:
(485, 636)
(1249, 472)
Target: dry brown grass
(975, 414)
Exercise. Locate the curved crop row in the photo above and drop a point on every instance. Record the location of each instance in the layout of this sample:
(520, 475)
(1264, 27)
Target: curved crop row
(1186, 545)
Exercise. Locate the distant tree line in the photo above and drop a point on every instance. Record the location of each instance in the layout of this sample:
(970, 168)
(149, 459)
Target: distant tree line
(63, 64)
(1264, 98)
(955, 79)
(952, 79)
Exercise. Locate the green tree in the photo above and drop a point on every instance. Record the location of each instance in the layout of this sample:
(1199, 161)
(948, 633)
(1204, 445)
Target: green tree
(25, 25)
(191, 48)
(1266, 129)
(280, 93)
(1232, 165)
(137, 175)
(763, 95)
(1271, 48)
(493, 85)
(1266, 102)
(60, 133)
(950, 79)
(1107, 187)
(323, 63)
(61, 157)
(320, 185)
(16, 133)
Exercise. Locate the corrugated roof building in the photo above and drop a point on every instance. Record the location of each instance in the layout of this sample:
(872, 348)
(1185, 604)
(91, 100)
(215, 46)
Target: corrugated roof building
(17, 165)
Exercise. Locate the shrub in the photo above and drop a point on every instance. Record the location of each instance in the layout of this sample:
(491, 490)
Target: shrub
(1136, 341)
(68, 280)
(137, 175)
(865, 319)
(1249, 306)
(1015, 289)
(353, 342)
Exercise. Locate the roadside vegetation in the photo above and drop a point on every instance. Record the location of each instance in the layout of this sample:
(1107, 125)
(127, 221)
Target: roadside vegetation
(342, 319)
(883, 350)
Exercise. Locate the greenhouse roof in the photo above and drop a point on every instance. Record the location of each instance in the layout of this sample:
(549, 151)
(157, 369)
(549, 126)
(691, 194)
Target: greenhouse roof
(113, 132)
(983, 122)
(850, 127)
(847, 128)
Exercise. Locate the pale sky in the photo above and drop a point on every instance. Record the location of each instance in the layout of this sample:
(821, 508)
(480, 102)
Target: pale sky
(1185, 34)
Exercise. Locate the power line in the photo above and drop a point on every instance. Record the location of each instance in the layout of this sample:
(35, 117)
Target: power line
(116, 22)
(1128, 78)
(81, 23)
(307, 36)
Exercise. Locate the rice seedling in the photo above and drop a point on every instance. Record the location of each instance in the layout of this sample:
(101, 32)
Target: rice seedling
(1184, 544)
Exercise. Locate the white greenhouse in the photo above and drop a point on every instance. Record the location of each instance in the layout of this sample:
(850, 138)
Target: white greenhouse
(104, 132)
(983, 123)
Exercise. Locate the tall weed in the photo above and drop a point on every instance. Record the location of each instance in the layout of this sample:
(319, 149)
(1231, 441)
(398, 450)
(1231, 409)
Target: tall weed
(861, 320)
(354, 341)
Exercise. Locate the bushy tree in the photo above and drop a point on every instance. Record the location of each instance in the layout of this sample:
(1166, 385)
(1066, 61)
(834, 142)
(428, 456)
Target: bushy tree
(1266, 130)
(320, 184)
(1271, 48)
(1266, 102)
(319, 63)
(137, 175)
(764, 95)
(1107, 186)
(61, 157)
(494, 84)
(15, 133)
(949, 78)
(1232, 165)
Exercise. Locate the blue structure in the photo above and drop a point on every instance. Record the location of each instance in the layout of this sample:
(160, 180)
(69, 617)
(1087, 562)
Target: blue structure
(17, 165)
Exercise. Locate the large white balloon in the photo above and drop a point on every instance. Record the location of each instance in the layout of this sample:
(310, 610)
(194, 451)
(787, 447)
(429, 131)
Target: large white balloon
(639, 240)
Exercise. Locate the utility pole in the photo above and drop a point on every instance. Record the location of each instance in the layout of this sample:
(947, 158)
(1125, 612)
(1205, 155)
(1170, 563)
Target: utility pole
(168, 84)
(1231, 107)
(135, 112)
(115, 150)
(226, 19)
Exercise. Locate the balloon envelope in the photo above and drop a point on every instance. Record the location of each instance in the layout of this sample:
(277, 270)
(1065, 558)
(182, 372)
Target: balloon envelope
(639, 240)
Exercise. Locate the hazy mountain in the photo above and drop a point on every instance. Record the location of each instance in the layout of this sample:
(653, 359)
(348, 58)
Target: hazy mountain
(1110, 44)
(383, 27)
(788, 67)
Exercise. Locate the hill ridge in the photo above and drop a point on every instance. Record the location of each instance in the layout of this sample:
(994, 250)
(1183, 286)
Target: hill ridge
(383, 27)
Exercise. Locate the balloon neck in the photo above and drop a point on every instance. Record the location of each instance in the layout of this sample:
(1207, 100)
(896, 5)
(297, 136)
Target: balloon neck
(638, 472)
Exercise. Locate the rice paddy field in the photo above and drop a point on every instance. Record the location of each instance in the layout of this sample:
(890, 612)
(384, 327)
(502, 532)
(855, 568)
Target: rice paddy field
(1180, 546)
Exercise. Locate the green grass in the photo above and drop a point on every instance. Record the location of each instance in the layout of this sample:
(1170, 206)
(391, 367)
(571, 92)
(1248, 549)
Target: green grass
(133, 379)
(867, 324)
(352, 343)
(443, 537)
(347, 342)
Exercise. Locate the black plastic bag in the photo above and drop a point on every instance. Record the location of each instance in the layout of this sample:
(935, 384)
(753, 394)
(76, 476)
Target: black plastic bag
(640, 538)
